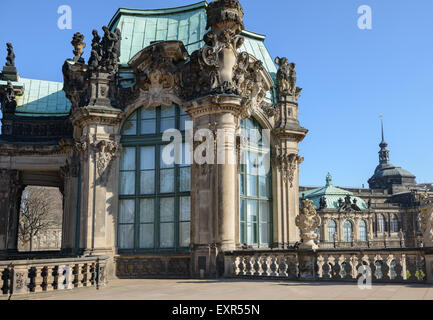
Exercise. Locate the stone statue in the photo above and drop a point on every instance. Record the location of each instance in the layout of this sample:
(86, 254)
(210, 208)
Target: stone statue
(308, 221)
(323, 204)
(286, 78)
(96, 53)
(79, 45)
(10, 59)
(111, 49)
(9, 103)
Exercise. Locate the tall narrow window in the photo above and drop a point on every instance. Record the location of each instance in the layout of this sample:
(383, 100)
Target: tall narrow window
(347, 227)
(154, 204)
(394, 223)
(362, 230)
(380, 223)
(255, 188)
(332, 229)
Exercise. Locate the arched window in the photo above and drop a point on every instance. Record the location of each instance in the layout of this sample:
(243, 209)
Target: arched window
(362, 230)
(394, 224)
(154, 204)
(380, 223)
(332, 229)
(255, 187)
(347, 227)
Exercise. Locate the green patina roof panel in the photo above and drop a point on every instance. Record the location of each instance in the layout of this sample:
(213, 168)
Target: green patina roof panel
(140, 28)
(332, 195)
(42, 98)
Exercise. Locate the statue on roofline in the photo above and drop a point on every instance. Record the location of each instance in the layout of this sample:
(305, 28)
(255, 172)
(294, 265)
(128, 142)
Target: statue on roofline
(10, 59)
(286, 78)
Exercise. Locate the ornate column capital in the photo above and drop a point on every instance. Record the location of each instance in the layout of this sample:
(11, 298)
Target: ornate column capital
(288, 162)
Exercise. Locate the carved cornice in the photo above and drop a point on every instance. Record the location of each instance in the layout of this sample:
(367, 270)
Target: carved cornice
(97, 115)
(215, 104)
(15, 150)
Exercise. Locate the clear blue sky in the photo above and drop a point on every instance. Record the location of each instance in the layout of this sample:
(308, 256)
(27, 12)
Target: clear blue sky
(350, 76)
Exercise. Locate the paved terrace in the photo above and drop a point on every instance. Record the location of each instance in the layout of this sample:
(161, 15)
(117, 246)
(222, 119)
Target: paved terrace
(238, 289)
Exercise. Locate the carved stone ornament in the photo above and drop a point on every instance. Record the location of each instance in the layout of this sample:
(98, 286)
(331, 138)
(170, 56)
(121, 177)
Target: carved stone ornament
(157, 74)
(308, 221)
(288, 164)
(218, 68)
(105, 151)
(286, 79)
(94, 83)
(7, 99)
(426, 221)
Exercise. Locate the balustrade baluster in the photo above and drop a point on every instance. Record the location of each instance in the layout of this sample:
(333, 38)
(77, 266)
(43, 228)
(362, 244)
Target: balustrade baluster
(282, 263)
(39, 279)
(84, 279)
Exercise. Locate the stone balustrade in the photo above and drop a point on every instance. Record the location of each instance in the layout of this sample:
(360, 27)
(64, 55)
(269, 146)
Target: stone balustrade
(386, 265)
(32, 276)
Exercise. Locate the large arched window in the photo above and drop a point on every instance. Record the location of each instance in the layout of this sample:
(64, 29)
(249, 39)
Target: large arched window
(154, 204)
(394, 224)
(362, 230)
(347, 227)
(332, 229)
(255, 188)
(380, 223)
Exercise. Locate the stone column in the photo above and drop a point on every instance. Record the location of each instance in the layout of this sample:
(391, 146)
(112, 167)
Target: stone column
(214, 194)
(220, 86)
(426, 226)
(10, 199)
(288, 133)
(96, 133)
(71, 188)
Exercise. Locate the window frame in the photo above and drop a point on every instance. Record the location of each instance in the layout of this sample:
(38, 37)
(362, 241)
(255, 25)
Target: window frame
(244, 197)
(139, 141)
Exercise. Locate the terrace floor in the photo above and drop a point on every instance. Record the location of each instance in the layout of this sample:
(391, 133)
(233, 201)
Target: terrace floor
(238, 290)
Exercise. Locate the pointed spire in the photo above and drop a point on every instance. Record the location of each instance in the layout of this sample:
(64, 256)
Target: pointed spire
(383, 153)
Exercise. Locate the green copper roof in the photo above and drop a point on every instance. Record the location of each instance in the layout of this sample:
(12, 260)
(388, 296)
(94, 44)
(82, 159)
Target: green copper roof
(42, 98)
(187, 24)
(332, 195)
(139, 28)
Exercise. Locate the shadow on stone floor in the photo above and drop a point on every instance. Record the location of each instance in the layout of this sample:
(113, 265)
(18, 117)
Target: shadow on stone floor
(305, 283)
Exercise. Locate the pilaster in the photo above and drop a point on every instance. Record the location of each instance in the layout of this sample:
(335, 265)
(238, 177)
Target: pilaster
(10, 198)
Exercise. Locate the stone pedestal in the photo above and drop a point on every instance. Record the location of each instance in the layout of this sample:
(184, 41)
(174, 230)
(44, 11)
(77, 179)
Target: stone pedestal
(10, 73)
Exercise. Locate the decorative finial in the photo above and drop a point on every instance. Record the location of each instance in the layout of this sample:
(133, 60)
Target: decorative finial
(78, 44)
(328, 180)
